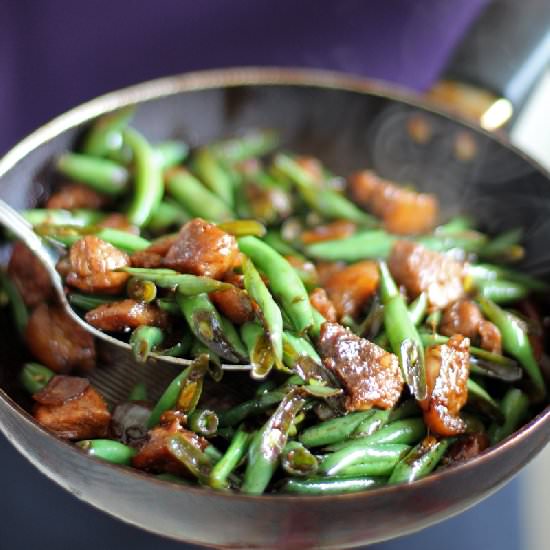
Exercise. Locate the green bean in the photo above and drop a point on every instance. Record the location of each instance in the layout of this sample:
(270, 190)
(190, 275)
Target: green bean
(203, 422)
(138, 392)
(266, 386)
(260, 349)
(242, 411)
(456, 225)
(170, 153)
(407, 432)
(502, 292)
(105, 135)
(35, 377)
(271, 314)
(326, 202)
(195, 198)
(297, 460)
(361, 246)
(473, 423)
(56, 216)
(377, 420)
(241, 228)
(504, 246)
(167, 214)
(190, 380)
(207, 326)
(213, 175)
(495, 370)
(213, 453)
(144, 340)
(420, 461)
(250, 145)
(86, 302)
(148, 186)
(407, 409)
(108, 450)
(231, 459)
(294, 347)
(338, 462)
(18, 308)
(102, 175)
(514, 407)
(433, 320)
(70, 234)
(179, 349)
(283, 281)
(469, 241)
(402, 334)
(489, 272)
(330, 485)
(515, 341)
(232, 336)
(381, 465)
(333, 430)
(268, 443)
(274, 240)
(417, 308)
(196, 461)
(187, 285)
(478, 396)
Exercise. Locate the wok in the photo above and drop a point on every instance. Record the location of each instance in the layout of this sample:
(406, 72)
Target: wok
(350, 124)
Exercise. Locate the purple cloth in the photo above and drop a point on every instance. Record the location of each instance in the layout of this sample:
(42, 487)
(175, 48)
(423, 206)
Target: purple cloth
(56, 54)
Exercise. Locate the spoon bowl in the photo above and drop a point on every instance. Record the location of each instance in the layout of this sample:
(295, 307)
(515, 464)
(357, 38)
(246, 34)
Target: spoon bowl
(350, 124)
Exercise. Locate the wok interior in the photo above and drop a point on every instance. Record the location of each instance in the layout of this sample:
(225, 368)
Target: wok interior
(470, 173)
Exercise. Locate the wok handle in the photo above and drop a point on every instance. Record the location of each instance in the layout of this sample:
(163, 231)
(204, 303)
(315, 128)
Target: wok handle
(506, 50)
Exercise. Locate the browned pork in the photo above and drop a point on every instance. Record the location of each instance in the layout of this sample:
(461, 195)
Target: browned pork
(72, 409)
(76, 195)
(126, 314)
(369, 374)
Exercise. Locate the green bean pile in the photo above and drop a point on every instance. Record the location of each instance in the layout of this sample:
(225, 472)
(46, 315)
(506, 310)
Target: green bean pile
(292, 428)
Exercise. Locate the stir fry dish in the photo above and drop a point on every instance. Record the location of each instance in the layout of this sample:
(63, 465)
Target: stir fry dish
(382, 344)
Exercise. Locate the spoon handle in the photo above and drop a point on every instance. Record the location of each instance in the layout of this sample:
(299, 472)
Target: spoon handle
(21, 228)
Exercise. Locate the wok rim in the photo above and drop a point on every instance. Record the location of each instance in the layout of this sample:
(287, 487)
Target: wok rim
(257, 76)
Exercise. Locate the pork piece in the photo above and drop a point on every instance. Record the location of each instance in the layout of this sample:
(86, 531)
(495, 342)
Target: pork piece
(155, 455)
(421, 270)
(29, 276)
(202, 249)
(321, 302)
(464, 317)
(467, 447)
(126, 314)
(338, 229)
(326, 269)
(351, 287)
(403, 211)
(447, 370)
(234, 304)
(461, 317)
(267, 204)
(58, 341)
(120, 222)
(153, 255)
(70, 408)
(490, 337)
(369, 374)
(76, 195)
(93, 262)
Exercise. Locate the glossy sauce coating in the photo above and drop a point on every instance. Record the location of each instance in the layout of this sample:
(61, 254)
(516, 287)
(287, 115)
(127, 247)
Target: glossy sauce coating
(84, 416)
(118, 316)
(370, 375)
(403, 211)
(421, 270)
(59, 342)
(447, 370)
(202, 249)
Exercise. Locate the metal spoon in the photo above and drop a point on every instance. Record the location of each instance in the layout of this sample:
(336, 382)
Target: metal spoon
(123, 370)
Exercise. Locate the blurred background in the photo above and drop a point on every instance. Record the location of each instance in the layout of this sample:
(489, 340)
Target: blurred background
(485, 59)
